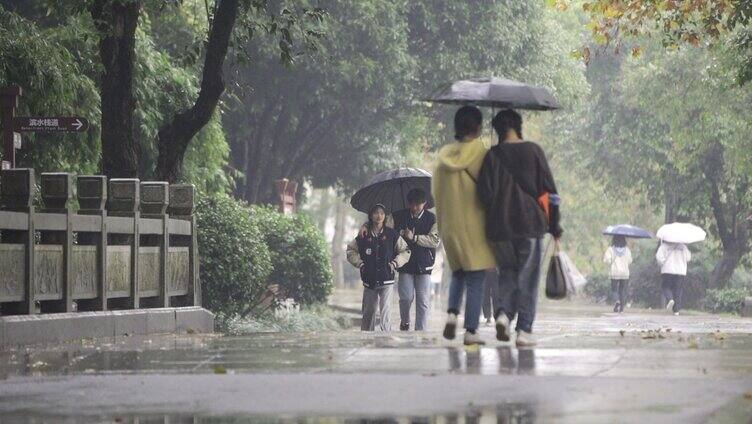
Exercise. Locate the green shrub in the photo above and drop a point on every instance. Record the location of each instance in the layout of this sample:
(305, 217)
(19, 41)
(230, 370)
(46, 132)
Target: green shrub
(235, 263)
(598, 288)
(725, 300)
(300, 255)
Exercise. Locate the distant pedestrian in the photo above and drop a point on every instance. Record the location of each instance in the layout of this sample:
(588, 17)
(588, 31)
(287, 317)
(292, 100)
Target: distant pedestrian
(462, 221)
(378, 255)
(619, 257)
(673, 259)
(519, 194)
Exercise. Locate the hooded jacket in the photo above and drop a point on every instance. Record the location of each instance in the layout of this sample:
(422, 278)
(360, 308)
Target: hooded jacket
(673, 258)
(619, 258)
(460, 215)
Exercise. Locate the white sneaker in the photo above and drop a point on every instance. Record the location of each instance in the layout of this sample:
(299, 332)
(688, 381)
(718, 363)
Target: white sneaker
(676, 313)
(670, 305)
(489, 322)
(450, 329)
(525, 339)
(502, 328)
(473, 339)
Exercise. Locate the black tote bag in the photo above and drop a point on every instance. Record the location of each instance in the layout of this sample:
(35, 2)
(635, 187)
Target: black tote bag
(556, 279)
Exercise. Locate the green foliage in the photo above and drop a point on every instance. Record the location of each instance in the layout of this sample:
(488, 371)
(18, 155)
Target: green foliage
(299, 254)
(54, 83)
(728, 299)
(314, 318)
(340, 116)
(235, 261)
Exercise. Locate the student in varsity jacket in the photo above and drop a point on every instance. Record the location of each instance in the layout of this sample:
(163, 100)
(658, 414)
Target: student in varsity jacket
(418, 227)
(378, 253)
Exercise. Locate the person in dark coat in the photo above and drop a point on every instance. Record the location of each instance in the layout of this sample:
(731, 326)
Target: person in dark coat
(418, 227)
(518, 191)
(377, 254)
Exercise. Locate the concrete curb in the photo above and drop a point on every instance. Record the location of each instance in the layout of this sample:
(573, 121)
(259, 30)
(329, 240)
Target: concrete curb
(19, 330)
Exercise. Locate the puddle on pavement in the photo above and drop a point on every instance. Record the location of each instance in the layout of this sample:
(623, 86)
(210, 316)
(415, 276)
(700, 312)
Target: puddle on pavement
(512, 413)
(354, 352)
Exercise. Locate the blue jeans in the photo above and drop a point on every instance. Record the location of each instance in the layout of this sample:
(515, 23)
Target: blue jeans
(519, 263)
(474, 281)
(414, 287)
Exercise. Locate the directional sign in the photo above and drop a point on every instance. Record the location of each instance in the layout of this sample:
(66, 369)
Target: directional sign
(50, 124)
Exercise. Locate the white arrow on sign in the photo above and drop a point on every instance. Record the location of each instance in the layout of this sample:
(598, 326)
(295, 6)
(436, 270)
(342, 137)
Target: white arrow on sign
(78, 124)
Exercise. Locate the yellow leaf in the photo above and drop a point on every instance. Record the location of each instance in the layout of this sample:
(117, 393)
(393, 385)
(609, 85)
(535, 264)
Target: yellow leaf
(612, 13)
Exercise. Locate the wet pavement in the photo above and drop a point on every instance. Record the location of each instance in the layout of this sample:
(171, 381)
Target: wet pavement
(590, 366)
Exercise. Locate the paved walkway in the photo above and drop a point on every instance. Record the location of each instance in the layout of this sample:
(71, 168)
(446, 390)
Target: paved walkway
(590, 366)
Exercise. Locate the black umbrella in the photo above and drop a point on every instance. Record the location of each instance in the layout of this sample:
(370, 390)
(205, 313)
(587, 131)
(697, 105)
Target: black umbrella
(390, 189)
(627, 230)
(495, 92)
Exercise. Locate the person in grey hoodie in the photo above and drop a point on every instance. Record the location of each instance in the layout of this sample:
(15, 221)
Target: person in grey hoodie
(673, 259)
(619, 257)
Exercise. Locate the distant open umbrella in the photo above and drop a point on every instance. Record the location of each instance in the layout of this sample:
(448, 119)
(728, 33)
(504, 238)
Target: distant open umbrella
(627, 230)
(390, 189)
(680, 232)
(496, 92)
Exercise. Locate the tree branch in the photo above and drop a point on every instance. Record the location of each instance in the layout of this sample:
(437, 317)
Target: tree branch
(174, 137)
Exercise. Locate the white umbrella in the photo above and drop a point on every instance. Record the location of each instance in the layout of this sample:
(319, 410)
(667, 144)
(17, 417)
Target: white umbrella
(680, 232)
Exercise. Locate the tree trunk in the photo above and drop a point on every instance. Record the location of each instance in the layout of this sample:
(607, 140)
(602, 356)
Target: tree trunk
(338, 253)
(725, 267)
(174, 137)
(116, 22)
(733, 231)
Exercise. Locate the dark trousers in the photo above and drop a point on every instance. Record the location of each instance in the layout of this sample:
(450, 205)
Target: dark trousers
(619, 291)
(489, 296)
(519, 263)
(672, 286)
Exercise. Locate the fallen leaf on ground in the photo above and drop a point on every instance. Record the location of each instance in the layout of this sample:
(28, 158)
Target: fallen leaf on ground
(748, 395)
(621, 333)
(219, 369)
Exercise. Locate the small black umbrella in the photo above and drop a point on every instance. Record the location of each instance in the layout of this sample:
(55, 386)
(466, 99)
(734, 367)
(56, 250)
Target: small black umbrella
(390, 189)
(496, 92)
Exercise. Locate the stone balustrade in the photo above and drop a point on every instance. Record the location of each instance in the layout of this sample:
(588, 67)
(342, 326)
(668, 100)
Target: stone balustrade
(117, 244)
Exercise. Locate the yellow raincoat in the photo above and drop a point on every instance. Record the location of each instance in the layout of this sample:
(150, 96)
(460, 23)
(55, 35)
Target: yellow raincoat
(459, 212)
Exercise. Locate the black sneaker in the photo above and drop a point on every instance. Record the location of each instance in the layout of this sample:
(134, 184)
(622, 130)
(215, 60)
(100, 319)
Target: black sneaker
(405, 327)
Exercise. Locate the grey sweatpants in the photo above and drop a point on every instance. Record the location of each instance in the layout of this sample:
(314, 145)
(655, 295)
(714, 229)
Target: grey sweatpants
(414, 287)
(376, 300)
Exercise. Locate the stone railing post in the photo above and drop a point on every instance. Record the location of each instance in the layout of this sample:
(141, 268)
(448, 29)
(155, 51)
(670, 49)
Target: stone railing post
(17, 191)
(124, 201)
(182, 206)
(92, 199)
(155, 197)
(57, 192)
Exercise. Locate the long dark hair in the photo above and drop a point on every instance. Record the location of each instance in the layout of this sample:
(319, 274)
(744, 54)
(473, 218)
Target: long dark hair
(619, 241)
(467, 120)
(506, 120)
(370, 214)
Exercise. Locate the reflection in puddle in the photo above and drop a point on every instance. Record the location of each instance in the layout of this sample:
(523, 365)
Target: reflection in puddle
(512, 413)
(489, 361)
